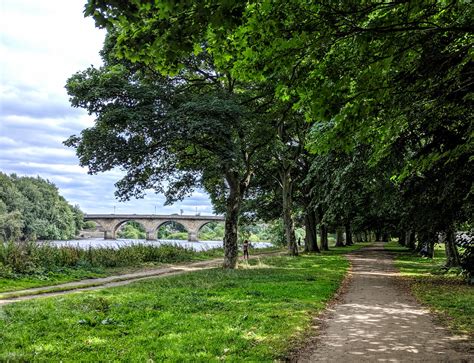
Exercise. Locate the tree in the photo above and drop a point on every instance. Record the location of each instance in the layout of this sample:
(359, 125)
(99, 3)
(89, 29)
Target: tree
(10, 226)
(171, 134)
(32, 208)
(395, 76)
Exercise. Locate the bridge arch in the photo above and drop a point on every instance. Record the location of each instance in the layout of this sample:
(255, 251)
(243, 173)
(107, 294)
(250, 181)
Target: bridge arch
(190, 225)
(170, 222)
(205, 223)
(126, 221)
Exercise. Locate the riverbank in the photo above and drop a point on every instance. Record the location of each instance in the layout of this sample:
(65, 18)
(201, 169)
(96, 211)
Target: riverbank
(28, 265)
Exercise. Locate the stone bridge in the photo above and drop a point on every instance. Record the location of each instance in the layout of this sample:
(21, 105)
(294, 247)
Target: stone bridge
(110, 223)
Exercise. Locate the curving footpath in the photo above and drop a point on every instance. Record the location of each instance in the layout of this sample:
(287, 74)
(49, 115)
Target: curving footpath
(378, 321)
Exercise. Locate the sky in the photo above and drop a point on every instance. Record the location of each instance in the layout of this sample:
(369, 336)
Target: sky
(43, 43)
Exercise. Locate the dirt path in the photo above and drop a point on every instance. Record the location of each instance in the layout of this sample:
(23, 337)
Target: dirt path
(378, 321)
(112, 281)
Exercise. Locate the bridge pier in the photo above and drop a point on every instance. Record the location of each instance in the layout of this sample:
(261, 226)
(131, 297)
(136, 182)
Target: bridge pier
(193, 236)
(109, 234)
(151, 235)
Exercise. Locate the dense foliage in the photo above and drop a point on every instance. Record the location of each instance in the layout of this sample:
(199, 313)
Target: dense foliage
(31, 208)
(370, 108)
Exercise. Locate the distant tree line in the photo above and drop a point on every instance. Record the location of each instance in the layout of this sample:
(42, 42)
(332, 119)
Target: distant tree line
(31, 208)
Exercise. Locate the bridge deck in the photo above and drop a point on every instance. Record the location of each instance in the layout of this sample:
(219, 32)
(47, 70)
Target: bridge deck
(151, 216)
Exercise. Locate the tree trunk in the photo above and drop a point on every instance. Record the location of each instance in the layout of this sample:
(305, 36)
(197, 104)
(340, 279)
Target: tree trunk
(452, 254)
(348, 235)
(288, 223)
(420, 243)
(385, 237)
(372, 236)
(324, 237)
(430, 243)
(378, 236)
(231, 223)
(426, 242)
(402, 238)
(410, 240)
(339, 237)
(311, 239)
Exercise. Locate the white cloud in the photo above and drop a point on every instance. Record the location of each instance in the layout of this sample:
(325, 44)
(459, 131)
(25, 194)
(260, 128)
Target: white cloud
(6, 141)
(42, 44)
(51, 168)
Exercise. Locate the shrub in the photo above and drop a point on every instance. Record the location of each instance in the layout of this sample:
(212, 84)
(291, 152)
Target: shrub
(465, 240)
(25, 258)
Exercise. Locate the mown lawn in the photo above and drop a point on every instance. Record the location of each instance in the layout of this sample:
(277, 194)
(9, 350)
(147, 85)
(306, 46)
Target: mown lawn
(253, 313)
(445, 293)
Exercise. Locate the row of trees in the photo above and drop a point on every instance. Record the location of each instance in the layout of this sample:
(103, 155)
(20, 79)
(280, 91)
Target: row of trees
(338, 115)
(31, 208)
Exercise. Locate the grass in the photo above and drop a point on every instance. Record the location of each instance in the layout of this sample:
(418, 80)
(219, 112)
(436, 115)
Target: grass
(253, 313)
(21, 282)
(445, 293)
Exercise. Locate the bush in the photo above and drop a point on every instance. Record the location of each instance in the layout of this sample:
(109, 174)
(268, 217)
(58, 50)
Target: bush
(27, 258)
(178, 235)
(465, 240)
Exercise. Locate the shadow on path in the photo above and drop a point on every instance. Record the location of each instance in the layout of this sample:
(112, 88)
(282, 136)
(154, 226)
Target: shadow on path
(378, 321)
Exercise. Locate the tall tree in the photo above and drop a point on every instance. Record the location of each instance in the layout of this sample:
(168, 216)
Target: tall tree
(393, 75)
(171, 134)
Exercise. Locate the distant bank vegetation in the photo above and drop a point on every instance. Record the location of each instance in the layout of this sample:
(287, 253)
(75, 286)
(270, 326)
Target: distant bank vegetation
(31, 208)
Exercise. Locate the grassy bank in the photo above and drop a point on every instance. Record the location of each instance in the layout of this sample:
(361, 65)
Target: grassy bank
(26, 265)
(253, 313)
(445, 293)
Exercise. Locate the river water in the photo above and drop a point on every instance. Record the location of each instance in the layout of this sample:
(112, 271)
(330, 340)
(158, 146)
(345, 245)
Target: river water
(100, 242)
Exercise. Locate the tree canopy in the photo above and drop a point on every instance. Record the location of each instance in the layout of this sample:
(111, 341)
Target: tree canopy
(31, 208)
(197, 129)
(385, 89)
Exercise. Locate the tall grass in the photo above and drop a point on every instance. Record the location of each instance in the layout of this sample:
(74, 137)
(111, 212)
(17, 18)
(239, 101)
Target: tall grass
(30, 258)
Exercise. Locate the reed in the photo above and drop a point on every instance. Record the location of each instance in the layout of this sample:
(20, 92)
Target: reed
(25, 258)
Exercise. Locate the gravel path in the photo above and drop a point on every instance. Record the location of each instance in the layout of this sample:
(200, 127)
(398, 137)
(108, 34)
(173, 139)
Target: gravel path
(378, 321)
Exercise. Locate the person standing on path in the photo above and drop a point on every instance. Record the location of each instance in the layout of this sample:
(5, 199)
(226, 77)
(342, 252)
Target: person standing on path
(245, 247)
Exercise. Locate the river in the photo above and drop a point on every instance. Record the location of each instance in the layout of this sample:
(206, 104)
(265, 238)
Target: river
(100, 242)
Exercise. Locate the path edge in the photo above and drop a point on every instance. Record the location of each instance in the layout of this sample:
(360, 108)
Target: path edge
(438, 318)
(302, 349)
